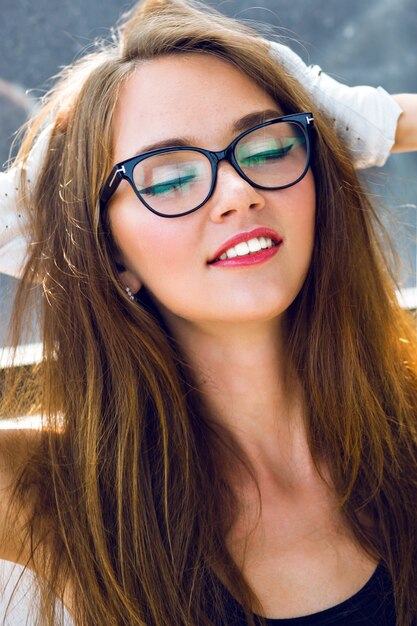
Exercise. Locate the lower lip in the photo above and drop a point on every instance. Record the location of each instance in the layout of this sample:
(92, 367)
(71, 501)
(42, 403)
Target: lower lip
(249, 259)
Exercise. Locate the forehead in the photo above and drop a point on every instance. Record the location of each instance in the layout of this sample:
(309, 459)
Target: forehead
(197, 95)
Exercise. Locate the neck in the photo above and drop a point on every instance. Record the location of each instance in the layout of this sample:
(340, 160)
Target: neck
(242, 372)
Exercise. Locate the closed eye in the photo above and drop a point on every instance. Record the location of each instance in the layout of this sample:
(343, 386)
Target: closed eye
(168, 186)
(263, 157)
(268, 150)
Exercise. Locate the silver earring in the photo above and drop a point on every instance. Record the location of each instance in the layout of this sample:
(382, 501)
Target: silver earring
(129, 293)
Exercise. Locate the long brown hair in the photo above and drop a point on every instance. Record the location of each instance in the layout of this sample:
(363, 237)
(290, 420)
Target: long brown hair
(130, 506)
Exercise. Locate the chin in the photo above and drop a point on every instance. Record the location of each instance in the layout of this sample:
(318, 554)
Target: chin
(243, 308)
(259, 310)
(251, 314)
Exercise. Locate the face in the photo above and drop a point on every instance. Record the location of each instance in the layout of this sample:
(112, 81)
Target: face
(201, 99)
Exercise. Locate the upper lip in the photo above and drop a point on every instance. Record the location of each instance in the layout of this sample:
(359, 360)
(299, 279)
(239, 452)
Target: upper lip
(256, 232)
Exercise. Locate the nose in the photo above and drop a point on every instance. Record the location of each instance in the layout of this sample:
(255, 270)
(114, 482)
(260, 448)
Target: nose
(233, 194)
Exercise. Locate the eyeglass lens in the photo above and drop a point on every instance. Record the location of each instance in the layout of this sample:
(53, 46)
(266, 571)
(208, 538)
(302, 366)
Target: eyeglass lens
(176, 182)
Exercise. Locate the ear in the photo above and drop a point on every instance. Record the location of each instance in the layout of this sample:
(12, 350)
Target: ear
(129, 279)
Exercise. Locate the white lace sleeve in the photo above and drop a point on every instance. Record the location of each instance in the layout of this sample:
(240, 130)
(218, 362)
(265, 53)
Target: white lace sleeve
(13, 244)
(13, 219)
(364, 117)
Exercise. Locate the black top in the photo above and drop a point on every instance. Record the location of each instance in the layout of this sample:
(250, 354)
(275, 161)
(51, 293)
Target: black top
(373, 605)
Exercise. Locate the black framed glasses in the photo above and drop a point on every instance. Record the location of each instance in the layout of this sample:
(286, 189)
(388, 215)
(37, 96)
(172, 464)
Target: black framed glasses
(172, 182)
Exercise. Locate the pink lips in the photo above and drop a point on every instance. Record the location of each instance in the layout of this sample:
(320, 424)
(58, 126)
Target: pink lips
(252, 258)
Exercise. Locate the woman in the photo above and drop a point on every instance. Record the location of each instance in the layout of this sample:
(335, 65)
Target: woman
(229, 385)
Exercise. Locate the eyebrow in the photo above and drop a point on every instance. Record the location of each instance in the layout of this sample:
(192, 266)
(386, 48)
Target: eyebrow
(239, 126)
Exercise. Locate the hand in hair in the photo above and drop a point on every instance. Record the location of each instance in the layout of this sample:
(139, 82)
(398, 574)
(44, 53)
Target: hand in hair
(369, 120)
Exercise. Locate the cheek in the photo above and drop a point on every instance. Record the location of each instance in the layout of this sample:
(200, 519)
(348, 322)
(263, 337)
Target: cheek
(307, 223)
(297, 210)
(304, 225)
(299, 229)
(149, 245)
(307, 227)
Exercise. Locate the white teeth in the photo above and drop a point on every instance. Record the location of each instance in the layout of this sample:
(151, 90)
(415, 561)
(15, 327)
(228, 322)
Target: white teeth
(242, 248)
(254, 245)
(247, 247)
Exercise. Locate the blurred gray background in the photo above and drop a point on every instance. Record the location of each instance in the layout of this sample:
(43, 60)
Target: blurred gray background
(358, 42)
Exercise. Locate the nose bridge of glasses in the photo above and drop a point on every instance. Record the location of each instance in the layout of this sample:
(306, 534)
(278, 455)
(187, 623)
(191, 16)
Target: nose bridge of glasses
(224, 155)
(233, 174)
(221, 155)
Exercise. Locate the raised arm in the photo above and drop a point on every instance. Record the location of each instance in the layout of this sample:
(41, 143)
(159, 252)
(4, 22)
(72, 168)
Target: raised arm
(372, 123)
(406, 134)
(364, 117)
